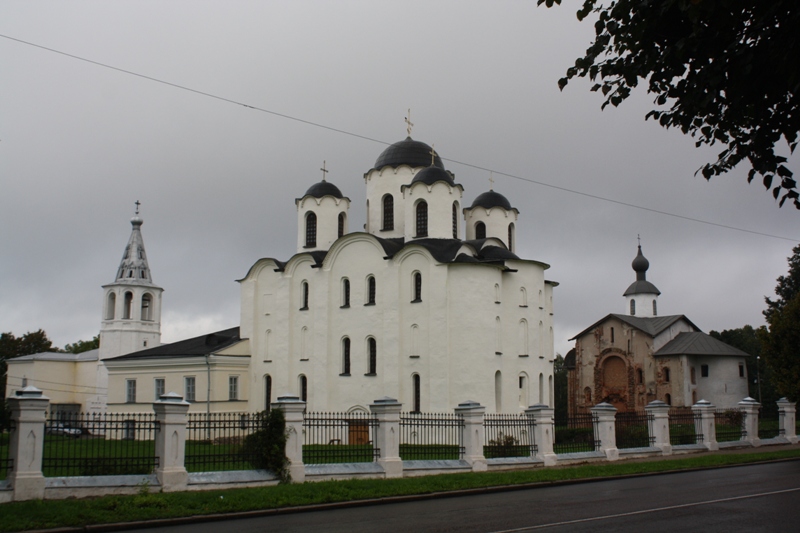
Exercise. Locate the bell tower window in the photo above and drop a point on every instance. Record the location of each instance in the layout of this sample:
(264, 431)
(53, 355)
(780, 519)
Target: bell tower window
(455, 220)
(388, 212)
(147, 307)
(126, 311)
(480, 230)
(422, 219)
(341, 224)
(311, 229)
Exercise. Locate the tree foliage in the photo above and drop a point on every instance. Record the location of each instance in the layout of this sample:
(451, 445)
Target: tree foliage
(266, 447)
(83, 346)
(788, 286)
(560, 393)
(724, 72)
(11, 347)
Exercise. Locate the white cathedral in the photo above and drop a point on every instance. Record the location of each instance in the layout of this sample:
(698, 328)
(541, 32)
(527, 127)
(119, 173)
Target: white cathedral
(419, 307)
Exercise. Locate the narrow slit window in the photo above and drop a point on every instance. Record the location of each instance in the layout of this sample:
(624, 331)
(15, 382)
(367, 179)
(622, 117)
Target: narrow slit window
(422, 219)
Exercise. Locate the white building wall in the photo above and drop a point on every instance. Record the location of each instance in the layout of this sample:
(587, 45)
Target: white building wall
(496, 220)
(723, 387)
(327, 210)
(379, 183)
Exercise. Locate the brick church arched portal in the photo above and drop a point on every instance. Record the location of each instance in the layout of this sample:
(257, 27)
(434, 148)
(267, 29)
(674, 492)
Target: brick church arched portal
(614, 388)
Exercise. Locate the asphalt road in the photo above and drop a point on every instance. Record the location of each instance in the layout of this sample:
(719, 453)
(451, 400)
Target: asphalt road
(749, 498)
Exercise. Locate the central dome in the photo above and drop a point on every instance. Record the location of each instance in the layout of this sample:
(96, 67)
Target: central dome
(408, 152)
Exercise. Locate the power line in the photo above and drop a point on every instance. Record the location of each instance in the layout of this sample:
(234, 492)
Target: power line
(371, 139)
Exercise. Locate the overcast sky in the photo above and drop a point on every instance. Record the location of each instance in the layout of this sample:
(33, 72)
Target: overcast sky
(79, 143)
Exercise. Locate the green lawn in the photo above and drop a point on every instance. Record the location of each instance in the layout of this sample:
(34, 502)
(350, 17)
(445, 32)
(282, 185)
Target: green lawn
(20, 516)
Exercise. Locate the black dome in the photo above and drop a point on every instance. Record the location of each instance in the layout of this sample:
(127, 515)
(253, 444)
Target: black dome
(408, 152)
(491, 199)
(431, 175)
(640, 262)
(324, 188)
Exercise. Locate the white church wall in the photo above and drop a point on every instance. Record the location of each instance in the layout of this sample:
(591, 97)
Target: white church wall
(380, 183)
(495, 219)
(723, 386)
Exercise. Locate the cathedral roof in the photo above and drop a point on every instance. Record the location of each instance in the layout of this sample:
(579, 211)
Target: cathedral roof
(491, 199)
(133, 268)
(698, 343)
(650, 325)
(194, 347)
(408, 152)
(323, 188)
(432, 174)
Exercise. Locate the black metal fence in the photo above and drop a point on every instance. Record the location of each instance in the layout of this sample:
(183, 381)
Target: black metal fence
(683, 424)
(634, 429)
(222, 441)
(88, 444)
(768, 424)
(577, 433)
(339, 438)
(431, 436)
(730, 424)
(6, 462)
(508, 436)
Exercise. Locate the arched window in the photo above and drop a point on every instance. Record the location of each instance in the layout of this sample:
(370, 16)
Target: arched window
(523, 390)
(417, 287)
(550, 392)
(480, 230)
(587, 397)
(523, 297)
(305, 296)
(655, 309)
(346, 356)
(341, 224)
(417, 393)
(267, 335)
(668, 399)
(498, 392)
(302, 383)
(388, 212)
(422, 219)
(126, 311)
(345, 292)
(498, 336)
(372, 348)
(496, 293)
(303, 343)
(455, 220)
(511, 237)
(370, 290)
(666, 375)
(640, 376)
(147, 307)
(523, 337)
(267, 392)
(111, 304)
(311, 229)
(633, 307)
(414, 339)
(541, 388)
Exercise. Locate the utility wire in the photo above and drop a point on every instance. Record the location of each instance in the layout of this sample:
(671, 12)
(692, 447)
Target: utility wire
(371, 139)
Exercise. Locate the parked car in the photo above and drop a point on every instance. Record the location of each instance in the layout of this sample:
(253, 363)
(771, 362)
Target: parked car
(58, 428)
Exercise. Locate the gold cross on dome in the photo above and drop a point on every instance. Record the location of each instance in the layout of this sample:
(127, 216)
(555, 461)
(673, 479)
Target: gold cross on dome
(433, 155)
(138, 203)
(324, 170)
(409, 124)
(639, 238)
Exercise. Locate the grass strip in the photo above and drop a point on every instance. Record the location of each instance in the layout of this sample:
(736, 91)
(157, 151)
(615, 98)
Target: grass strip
(21, 516)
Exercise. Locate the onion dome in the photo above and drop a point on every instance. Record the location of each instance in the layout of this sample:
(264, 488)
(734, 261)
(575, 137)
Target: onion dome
(431, 175)
(640, 265)
(408, 152)
(324, 188)
(491, 199)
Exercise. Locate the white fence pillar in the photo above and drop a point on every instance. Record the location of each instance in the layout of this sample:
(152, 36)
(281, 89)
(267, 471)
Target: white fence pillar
(26, 443)
(473, 434)
(606, 429)
(293, 409)
(787, 411)
(170, 442)
(707, 425)
(659, 429)
(387, 435)
(749, 407)
(543, 432)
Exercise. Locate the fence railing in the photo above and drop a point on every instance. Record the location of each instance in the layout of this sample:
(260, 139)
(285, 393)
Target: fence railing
(339, 438)
(633, 430)
(222, 441)
(87, 444)
(683, 424)
(6, 462)
(431, 436)
(508, 436)
(729, 424)
(578, 433)
(768, 425)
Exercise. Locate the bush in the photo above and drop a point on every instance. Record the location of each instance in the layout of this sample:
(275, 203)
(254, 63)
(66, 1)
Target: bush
(265, 449)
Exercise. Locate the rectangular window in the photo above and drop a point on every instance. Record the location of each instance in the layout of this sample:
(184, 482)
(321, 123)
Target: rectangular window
(189, 388)
(666, 375)
(612, 335)
(703, 371)
(130, 390)
(233, 387)
(160, 388)
(741, 370)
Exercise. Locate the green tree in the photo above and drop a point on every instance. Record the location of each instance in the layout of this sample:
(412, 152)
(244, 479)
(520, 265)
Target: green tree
(723, 72)
(11, 347)
(788, 286)
(560, 394)
(83, 346)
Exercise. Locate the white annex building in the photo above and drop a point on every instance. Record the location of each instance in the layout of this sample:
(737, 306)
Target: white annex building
(417, 307)
(429, 305)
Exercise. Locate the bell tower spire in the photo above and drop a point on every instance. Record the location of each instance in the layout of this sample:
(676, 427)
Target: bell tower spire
(132, 303)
